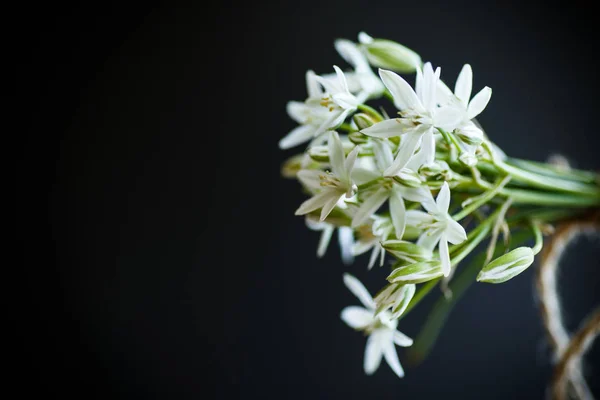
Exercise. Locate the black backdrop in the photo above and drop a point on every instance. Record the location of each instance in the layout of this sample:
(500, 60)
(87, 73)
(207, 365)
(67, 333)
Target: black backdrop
(161, 255)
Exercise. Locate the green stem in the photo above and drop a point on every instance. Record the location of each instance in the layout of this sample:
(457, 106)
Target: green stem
(555, 171)
(482, 199)
(547, 182)
(539, 240)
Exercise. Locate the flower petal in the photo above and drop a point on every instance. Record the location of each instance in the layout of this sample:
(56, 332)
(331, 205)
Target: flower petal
(464, 84)
(324, 240)
(346, 241)
(479, 102)
(448, 117)
(349, 163)
(389, 352)
(336, 154)
(385, 129)
(397, 213)
(410, 141)
(329, 205)
(418, 218)
(444, 255)
(443, 199)
(430, 238)
(402, 340)
(357, 317)
(443, 94)
(383, 153)
(373, 353)
(312, 86)
(370, 206)
(310, 178)
(404, 95)
(363, 175)
(317, 201)
(455, 233)
(358, 289)
(373, 257)
(298, 111)
(362, 246)
(296, 136)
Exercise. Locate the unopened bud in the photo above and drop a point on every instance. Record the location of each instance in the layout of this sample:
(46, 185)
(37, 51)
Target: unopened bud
(408, 178)
(416, 273)
(433, 169)
(470, 140)
(363, 121)
(395, 296)
(389, 55)
(470, 134)
(358, 138)
(468, 159)
(319, 153)
(507, 266)
(407, 251)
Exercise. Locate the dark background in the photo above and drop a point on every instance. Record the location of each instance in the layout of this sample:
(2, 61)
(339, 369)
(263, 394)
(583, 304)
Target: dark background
(162, 259)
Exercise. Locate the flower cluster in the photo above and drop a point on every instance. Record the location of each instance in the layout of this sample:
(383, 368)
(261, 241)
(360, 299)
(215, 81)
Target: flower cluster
(407, 181)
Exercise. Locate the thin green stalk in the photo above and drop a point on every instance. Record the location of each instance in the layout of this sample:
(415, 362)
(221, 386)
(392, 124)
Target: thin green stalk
(547, 182)
(553, 170)
(482, 199)
(539, 240)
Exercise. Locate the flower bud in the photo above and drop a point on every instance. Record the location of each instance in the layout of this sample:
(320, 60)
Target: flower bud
(407, 251)
(507, 266)
(389, 55)
(470, 134)
(470, 140)
(416, 273)
(408, 178)
(358, 138)
(363, 121)
(395, 296)
(319, 153)
(468, 159)
(433, 169)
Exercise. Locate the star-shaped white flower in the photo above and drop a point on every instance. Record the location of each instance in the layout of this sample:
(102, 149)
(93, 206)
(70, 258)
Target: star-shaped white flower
(321, 111)
(465, 106)
(469, 108)
(420, 115)
(394, 191)
(439, 227)
(331, 186)
(381, 329)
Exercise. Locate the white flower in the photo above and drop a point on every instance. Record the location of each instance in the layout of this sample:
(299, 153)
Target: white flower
(388, 189)
(316, 115)
(345, 238)
(439, 227)
(370, 239)
(468, 108)
(381, 329)
(337, 91)
(363, 78)
(332, 185)
(420, 115)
